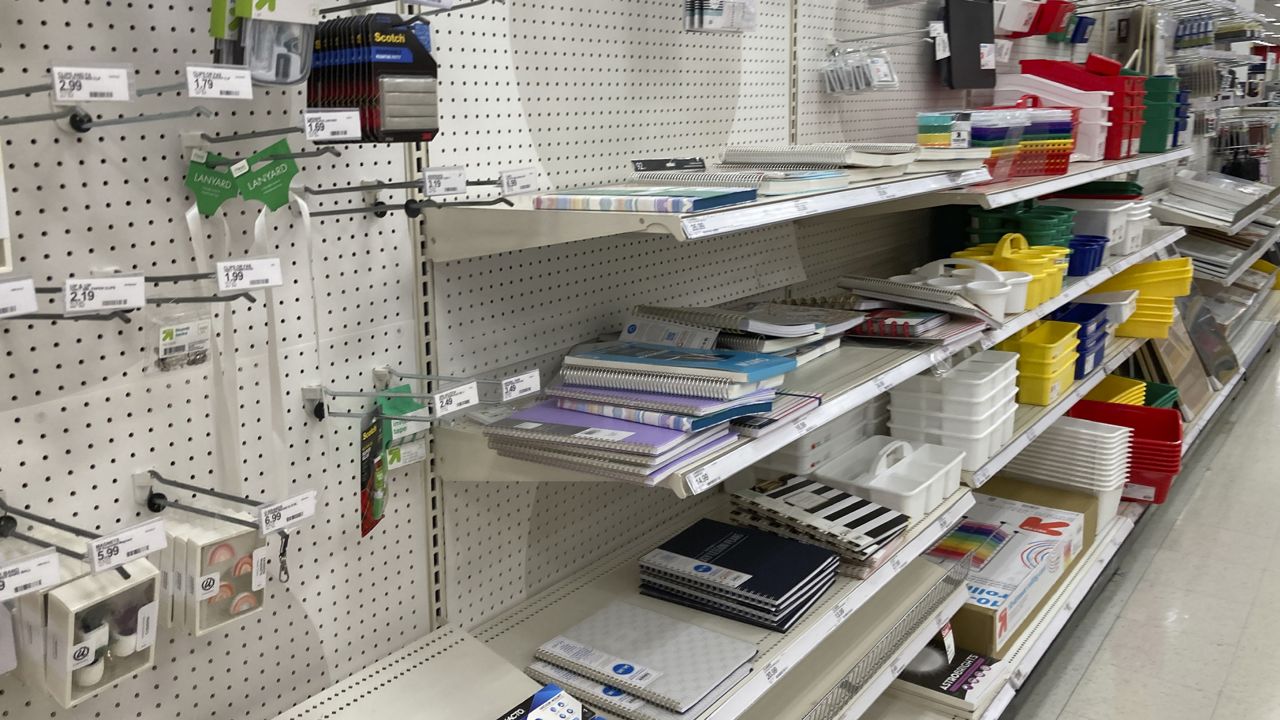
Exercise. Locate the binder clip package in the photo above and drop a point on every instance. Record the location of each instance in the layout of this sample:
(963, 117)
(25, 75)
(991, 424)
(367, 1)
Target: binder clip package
(550, 703)
(381, 65)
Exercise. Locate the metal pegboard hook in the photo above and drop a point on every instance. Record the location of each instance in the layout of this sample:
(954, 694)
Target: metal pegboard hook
(174, 87)
(213, 163)
(413, 208)
(7, 510)
(117, 315)
(74, 115)
(220, 139)
(9, 529)
(375, 186)
(83, 122)
(27, 90)
(154, 476)
(157, 502)
(882, 36)
(370, 3)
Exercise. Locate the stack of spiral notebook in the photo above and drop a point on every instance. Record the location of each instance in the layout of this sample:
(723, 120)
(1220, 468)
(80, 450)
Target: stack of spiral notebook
(637, 412)
(740, 573)
(861, 532)
(858, 162)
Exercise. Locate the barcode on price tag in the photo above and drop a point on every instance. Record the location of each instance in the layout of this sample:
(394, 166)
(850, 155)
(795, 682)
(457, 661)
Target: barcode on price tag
(841, 611)
(332, 125)
(519, 386)
(17, 297)
(459, 398)
(519, 181)
(284, 515)
(258, 580)
(85, 296)
(883, 192)
(249, 274)
(802, 426)
(39, 571)
(897, 563)
(127, 545)
(97, 83)
(219, 82)
(439, 181)
(694, 228)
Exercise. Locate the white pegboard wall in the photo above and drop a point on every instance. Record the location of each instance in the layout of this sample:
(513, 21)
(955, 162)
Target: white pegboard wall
(81, 413)
(877, 246)
(579, 89)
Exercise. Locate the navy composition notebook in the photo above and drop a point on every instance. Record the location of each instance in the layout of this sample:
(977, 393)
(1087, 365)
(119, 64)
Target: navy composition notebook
(752, 566)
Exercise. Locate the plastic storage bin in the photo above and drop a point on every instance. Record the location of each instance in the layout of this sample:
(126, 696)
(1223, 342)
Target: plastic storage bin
(1038, 389)
(903, 400)
(893, 473)
(1048, 342)
(958, 423)
(1091, 318)
(978, 447)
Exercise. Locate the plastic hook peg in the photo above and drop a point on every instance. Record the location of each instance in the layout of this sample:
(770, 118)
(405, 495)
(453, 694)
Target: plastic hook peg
(8, 524)
(156, 502)
(81, 121)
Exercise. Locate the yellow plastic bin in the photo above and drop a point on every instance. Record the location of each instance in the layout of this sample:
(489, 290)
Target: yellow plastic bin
(1050, 368)
(1145, 326)
(1049, 342)
(1118, 389)
(1036, 389)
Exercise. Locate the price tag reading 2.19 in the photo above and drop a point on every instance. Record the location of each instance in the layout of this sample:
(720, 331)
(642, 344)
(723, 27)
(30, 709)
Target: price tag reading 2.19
(84, 296)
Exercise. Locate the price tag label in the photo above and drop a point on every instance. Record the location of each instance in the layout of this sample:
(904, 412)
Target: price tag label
(442, 4)
(459, 398)
(897, 666)
(775, 670)
(147, 615)
(252, 274)
(802, 426)
(405, 455)
(98, 83)
(258, 580)
(695, 227)
(444, 181)
(937, 28)
(841, 611)
(207, 586)
(520, 181)
(881, 384)
(240, 168)
(942, 47)
(86, 296)
(332, 125)
(703, 479)
(897, 563)
(987, 56)
(284, 515)
(18, 297)
(519, 386)
(1004, 50)
(131, 544)
(944, 522)
(883, 192)
(219, 82)
(981, 476)
(1032, 434)
(802, 206)
(39, 571)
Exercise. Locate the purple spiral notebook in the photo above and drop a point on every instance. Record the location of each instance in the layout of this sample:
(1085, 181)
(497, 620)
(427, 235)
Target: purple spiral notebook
(658, 402)
(549, 424)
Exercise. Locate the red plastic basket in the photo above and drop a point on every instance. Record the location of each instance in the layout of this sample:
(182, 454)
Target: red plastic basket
(1041, 157)
(1155, 449)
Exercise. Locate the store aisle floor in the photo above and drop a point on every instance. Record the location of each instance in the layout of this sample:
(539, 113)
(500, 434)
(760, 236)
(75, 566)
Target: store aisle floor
(1189, 629)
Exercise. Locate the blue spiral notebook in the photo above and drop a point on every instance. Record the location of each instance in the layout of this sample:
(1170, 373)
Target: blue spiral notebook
(734, 365)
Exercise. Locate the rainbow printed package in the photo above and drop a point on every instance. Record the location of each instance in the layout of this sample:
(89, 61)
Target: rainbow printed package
(1020, 551)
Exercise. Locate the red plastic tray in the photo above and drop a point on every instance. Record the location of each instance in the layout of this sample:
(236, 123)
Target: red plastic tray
(1159, 424)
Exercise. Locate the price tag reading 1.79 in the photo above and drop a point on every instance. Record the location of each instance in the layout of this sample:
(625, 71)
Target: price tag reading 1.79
(219, 82)
(438, 181)
(126, 546)
(284, 515)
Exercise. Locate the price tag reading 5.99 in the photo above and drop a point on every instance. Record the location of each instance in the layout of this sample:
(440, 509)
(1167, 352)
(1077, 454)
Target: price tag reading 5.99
(126, 546)
(84, 296)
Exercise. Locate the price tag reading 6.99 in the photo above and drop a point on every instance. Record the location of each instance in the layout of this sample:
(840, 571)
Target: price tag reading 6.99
(284, 515)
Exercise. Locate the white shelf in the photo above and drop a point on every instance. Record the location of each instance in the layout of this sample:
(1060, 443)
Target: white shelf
(1032, 420)
(515, 634)
(999, 195)
(1177, 216)
(446, 674)
(463, 456)
(464, 232)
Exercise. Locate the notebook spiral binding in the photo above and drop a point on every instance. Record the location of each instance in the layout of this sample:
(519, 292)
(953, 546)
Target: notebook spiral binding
(747, 596)
(718, 179)
(533, 434)
(714, 388)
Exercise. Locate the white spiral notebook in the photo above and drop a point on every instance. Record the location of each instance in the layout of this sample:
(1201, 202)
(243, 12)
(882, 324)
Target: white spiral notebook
(668, 662)
(607, 698)
(664, 383)
(824, 154)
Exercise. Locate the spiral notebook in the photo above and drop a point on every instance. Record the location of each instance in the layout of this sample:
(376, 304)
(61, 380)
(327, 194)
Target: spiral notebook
(692, 442)
(717, 363)
(748, 565)
(763, 343)
(549, 424)
(610, 699)
(780, 621)
(664, 383)
(657, 402)
(683, 423)
(825, 154)
(668, 662)
(766, 182)
(772, 319)
(612, 469)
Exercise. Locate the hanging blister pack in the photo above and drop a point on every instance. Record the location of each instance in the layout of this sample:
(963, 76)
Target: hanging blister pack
(381, 66)
(179, 336)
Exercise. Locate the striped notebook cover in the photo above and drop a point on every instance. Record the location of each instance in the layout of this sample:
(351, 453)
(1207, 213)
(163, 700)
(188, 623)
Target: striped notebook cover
(852, 562)
(845, 517)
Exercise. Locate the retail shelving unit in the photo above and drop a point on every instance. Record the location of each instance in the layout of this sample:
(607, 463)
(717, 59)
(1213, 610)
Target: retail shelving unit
(463, 232)
(464, 456)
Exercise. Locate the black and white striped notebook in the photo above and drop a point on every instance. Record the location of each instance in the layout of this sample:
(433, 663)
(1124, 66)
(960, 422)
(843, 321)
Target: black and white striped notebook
(843, 516)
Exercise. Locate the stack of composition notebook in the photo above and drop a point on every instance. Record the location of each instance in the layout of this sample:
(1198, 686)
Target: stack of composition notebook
(861, 532)
(740, 573)
(635, 663)
(637, 411)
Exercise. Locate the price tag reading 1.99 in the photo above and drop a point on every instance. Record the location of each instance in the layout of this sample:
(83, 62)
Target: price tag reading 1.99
(249, 274)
